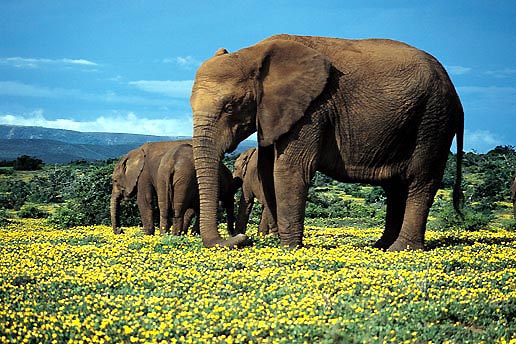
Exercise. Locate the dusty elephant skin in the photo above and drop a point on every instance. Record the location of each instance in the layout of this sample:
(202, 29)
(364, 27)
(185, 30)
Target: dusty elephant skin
(374, 111)
(246, 174)
(136, 174)
(177, 190)
(513, 195)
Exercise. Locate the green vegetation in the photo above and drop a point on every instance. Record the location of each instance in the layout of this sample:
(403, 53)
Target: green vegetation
(83, 189)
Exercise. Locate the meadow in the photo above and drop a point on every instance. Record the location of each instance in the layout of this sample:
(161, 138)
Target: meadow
(85, 284)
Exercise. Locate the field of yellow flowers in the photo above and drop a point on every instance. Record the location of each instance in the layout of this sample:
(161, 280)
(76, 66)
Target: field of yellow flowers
(88, 285)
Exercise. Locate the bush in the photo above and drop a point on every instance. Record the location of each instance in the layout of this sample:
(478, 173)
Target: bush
(92, 194)
(66, 217)
(4, 216)
(27, 163)
(473, 219)
(55, 186)
(13, 194)
(30, 211)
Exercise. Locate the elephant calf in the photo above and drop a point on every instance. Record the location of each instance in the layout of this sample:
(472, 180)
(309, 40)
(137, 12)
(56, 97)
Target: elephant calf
(177, 190)
(138, 173)
(246, 174)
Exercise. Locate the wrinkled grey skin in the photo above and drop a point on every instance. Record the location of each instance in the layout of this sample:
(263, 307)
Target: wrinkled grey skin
(177, 190)
(246, 175)
(136, 174)
(372, 111)
(513, 195)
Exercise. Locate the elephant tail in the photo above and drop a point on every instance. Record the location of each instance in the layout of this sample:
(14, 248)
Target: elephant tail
(458, 196)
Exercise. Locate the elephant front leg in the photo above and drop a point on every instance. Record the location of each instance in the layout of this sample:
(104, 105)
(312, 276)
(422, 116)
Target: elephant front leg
(267, 223)
(245, 206)
(396, 203)
(178, 221)
(267, 217)
(291, 191)
(189, 215)
(144, 200)
(164, 220)
(263, 228)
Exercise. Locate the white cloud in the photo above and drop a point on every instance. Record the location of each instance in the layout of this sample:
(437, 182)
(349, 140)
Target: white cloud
(458, 70)
(21, 62)
(490, 99)
(501, 73)
(114, 123)
(14, 88)
(481, 140)
(186, 62)
(18, 89)
(175, 89)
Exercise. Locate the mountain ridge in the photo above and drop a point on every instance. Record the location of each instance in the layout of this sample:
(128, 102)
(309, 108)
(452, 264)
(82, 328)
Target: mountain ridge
(60, 146)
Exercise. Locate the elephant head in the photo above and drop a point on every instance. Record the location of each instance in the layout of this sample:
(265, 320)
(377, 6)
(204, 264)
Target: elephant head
(241, 164)
(266, 89)
(125, 178)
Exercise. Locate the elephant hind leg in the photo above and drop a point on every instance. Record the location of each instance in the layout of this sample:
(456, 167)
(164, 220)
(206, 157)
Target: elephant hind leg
(417, 207)
(396, 203)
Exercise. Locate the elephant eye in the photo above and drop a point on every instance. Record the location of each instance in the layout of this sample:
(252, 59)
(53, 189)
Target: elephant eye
(228, 108)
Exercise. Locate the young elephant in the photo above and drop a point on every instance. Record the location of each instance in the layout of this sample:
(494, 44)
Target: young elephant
(178, 192)
(136, 174)
(246, 174)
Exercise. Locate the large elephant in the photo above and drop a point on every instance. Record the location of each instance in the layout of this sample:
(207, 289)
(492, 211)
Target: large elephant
(136, 174)
(177, 190)
(513, 195)
(375, 111)
(246, 174)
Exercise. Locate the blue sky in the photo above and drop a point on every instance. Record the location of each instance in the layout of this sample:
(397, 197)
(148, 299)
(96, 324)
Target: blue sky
(127, 66)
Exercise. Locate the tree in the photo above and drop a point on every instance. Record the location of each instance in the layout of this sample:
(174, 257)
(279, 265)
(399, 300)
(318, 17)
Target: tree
(27, 163)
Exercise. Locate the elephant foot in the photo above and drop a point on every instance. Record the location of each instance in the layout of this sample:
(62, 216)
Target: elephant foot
(291, 244)
(382, 244)
(401, 245)
(148, 231)
(237, 241)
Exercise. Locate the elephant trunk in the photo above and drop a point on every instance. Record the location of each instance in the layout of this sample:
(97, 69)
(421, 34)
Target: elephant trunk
(207, 158)
(116, 198)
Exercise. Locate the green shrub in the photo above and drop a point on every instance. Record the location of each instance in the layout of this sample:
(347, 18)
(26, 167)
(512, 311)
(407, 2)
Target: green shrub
(66, 217)
(473, 219)
(4, 216)
(30, 211)
(13, 193)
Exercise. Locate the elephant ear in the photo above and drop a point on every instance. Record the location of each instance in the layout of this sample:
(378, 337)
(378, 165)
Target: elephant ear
(291, 76)
(247, 157)
(132, 168)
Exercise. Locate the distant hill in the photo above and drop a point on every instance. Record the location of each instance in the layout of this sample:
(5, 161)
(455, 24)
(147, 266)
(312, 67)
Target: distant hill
(9, 132)
(62, 146)
(57, 152)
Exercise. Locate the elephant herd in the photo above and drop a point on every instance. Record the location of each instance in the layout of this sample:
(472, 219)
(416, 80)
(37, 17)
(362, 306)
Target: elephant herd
(371, 111)
(165, 171)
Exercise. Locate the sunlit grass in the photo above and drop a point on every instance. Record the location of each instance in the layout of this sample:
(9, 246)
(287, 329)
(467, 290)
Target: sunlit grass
(86, 284)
